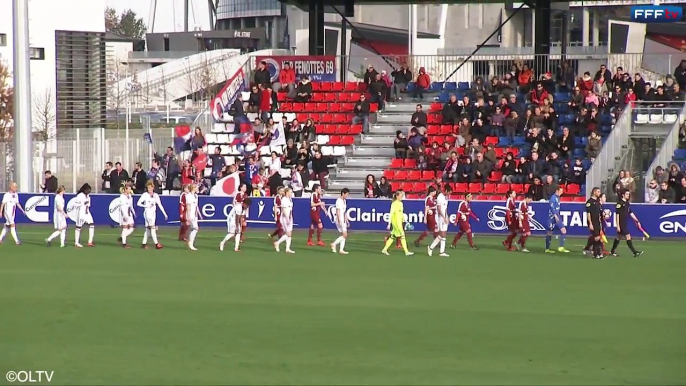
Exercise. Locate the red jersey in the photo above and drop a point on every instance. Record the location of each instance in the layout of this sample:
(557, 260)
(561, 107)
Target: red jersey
(182, 206)
(464, 212)
(524, 216)
(277, 209)
(430, 207)
(511, 211)
(240, 197)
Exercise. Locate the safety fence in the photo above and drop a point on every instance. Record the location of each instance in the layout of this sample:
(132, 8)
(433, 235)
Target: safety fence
(663, 221)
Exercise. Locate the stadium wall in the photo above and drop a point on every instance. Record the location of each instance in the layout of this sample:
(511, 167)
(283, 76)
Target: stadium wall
(662, 221)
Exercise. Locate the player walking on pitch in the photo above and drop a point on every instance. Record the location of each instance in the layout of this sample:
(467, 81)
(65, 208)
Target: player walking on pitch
(286, 221)
(442, 221)
(524, 225)
(126, 214)
(235, 223)
(183, 226)
(464, 212)
(192, 215)
(84, 216)
(316, 207)
(240, 196)
(341, 220)
(429, 216)
(150, 201)
(624, 212)
(555, 222)
(8, 208)
(593, 219)
(277, 214)
(511, 220)
(396, 224)
(59, 218)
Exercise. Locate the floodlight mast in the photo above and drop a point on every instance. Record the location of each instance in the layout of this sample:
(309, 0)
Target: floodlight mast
(23, 141)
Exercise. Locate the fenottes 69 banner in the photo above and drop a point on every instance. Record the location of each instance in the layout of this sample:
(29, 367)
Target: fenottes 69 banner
(668, 221)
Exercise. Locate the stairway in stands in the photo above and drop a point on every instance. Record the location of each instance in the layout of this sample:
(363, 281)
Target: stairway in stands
(372, 153)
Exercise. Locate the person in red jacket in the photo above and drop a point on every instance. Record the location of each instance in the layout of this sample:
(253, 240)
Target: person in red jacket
(266, 102)
(585, 83)
(538, 95)
(422, 84)
(286, 80)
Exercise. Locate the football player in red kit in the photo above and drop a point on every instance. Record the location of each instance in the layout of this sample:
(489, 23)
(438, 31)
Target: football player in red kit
(183, 227)
(524, 224)
(316, 207)
(429, 216)
(464, 212)
(277, 213)
(511, 220)
(240, 197)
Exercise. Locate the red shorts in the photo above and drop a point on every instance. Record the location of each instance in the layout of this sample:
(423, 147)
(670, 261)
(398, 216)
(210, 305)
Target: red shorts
(182, 217)
(526, 227)
(464, 226)
(278, 222)
(513, 226)
(431, 224)
(314, 218)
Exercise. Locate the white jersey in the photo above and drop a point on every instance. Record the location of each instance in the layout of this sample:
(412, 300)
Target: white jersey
(83, 214)
(234, 226)
(125, 210)
(442, 213)
(59, 214)
(149, 203)
(191, 206)
(10, 200)
(340, 220)
(286, 214)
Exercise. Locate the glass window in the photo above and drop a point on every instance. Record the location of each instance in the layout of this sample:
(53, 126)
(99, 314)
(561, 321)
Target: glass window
(37, 53)
(246, 8)
(3, 40)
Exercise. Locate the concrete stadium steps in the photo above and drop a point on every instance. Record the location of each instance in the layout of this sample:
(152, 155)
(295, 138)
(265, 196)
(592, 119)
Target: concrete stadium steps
(377, 140)
(385, 152)
(389, 128)
(366, 163)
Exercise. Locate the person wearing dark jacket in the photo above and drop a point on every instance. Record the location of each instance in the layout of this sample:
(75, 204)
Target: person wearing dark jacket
(320, 168)
(419, 118)
(680, 74)
(385, 190)
(140, 178)
(50, 184)
(536, 189)
(106, 179)
(534, 168)
(451, 111)
(666, 195)
(377, 89)
(303, 93)
(401, 78)
(361, 111)
(118, 176)
(605, 74)
(370, 75)
(218, 164)
(254, 99)
(549, 188)
(262, 76)
(565, 143)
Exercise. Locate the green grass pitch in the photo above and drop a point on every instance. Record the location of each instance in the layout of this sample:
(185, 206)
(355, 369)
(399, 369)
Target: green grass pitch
(106, 315)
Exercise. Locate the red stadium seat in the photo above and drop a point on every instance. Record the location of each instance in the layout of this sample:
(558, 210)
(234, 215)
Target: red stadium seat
(435, 107)
(410, 163)
(347, 140)
(459, 150)
(373, 107)
(488, 188)
(526, 187)
(329, 97)
(350, 86)
(334, 140)
(432, 130)
(434, 119)
(446, 130)
(395, 186)
(338, 118)
(322, 107)
(281, 97)
(474, 187)
(397, 163)
(567, 199)
(412, 196)
(407, 186)
(347, 107)
(337, 86)
(302, 117)
(428, 175)
(579, 199)
(342, 129)
(518, 188)
(495, 198)
(361, 86)
(499, 152)
(461, 187)
(456, 196)
(316, 86)
(491, 141)
(513, 150)
(502, 188)
(334, 107)
(414, 175)
(318, 97)
(298, 107)
(495, 176)
(389, 174)
(343, 97)
(310, 107)
(573, 189)
(324, 86)
(286, 107)
(356, 129)
(400, 175)
(481, 198)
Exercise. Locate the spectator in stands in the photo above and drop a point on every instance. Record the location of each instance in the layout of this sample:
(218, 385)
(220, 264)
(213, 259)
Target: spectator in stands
(385, 190)
(630, 98)
(419, 118)
(291, 153)
(293, 130)
(478, 87)
(511, 124)
(648, 93)
(549, 141)
(674, 176)
(371, 188)
(451, 111)
(600, 85)
(450, 171)
(275, 180)
(414, 141)
(187, 174)
(681, 192)
(617, 78)
(509, 85)
(304, 153)
(576, 100)
(370, 75)
(463, 134)
(660, 175)
(422, 83)
(308, 131)
(387, 80)
(552, 166)
(538, 94)
(320, 168)
(422, 158)
(585, 83)
(490, 155)
(535, 139)
(617, 184)
(198, 143)
(259, 183)
(591, 100)
(304, 91)
(170, 164)
(565, 76)
(628, 183)
(549, 188)
(118, 176)
(593, 146)
(434, 155)
(201, 183)
(494, 88)
(534, 167)
(218, 164)
(251, 168)
(509, 169)
(286, 80)
(565, 143)
(106, 185)
(401, 78)
(361, 111)
(266, 103)
(50, 183)
(473, 148)
(639, 86)
(298, 176)
(677, 95)
(652, 192)
(466, 170)
(262, 76)
(536, 189)
(139, 178)
(479, 130)
(157, 176)
(377, 91)
(497, 122)
(661, 98)
(254, 99)
(524, 78)
(400, 145)
(666, 194)
(680, 74)
(578, 172)
(482, 168)
(603, 73)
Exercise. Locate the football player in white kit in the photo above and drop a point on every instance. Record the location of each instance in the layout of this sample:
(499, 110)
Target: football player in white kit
(286, 219)
(84, 216)
(10, 203)
(192, 215)
(150, 201)
(341, 221)
(442, 221)
(127, 215)
(235, 222)
(59, 218)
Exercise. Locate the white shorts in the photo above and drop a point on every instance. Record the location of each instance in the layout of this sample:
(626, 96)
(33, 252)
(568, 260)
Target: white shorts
(129, 222)
(83, 219)
(441, 224)
(9, 219)
(287, 224)
(343, 228)
(233, 228)
(194, 224)
(60, 222)
(150, 220)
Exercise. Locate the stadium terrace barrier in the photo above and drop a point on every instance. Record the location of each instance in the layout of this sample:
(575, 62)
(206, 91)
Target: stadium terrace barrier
(663, 221)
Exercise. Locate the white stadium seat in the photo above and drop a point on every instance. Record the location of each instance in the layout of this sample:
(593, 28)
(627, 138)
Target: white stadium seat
(210, 138)
(326, 150)
(222, 139)
(218, 128)
(285, 173)
(655, 118)
(322, 139)
(641, 119)
(670, 118)
(291, 116)
(230, 160)
(208, 172)
(339, 151)
(277, 116)
(245, 95)
(265, 150)
(210, 149)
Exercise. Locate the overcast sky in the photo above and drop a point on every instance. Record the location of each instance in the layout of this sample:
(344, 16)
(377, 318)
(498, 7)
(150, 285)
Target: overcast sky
(169, 14)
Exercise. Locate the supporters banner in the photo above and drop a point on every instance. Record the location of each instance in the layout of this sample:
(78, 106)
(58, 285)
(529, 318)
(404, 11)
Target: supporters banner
(668, 221)
(318, 68)
(225, 98)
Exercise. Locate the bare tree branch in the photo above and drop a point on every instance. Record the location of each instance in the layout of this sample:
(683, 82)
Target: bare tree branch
(43, 117)
(6, 102)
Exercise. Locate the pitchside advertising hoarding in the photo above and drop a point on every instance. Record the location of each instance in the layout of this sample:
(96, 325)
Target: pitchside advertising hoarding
(667, 221)
(318, 68)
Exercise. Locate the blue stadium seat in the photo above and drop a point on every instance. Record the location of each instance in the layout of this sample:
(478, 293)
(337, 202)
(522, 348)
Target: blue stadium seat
(587, 164)
(518, 142)
(436, 86)
(451, 86)
(443, 97)
(606, 129)
(503, 142)
(523, 152)
(606, 119)
(561, 97)
(579, 153)
(679, 154)
(464, 86)
(410, 87)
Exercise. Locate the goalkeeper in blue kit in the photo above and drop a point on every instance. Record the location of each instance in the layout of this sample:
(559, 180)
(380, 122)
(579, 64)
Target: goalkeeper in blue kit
(555, 223)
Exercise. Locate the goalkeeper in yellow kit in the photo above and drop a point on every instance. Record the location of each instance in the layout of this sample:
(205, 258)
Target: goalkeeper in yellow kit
(397, 224)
